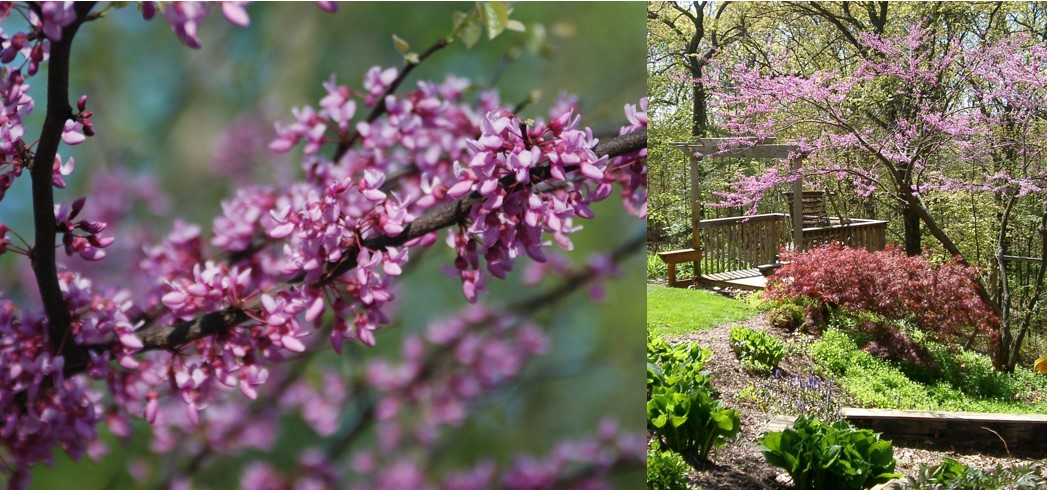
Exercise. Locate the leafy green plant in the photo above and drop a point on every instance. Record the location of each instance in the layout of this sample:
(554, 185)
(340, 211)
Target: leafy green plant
(681, 410)
(756, 350)
(951, 474)
(666, 470)
(690, 422)
(680, 365)
(830, 456)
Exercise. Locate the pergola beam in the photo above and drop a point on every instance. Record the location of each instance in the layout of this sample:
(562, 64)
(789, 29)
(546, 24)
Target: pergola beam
(722, 148)
(742, 148)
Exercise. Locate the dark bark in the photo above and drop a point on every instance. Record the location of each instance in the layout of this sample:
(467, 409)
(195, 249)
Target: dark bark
(42, 255)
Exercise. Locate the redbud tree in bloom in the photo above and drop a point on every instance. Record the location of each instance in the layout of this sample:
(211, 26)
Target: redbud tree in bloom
(921, 121)
(199, 341)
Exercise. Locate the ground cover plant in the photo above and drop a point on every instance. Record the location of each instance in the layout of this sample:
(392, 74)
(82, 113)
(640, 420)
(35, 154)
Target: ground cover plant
(327, 292)
(952, 474)
(666, 470)
(966, 381)
(676, 310)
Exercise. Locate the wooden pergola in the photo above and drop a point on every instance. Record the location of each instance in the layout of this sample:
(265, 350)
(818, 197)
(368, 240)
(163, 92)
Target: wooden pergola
(736, 251)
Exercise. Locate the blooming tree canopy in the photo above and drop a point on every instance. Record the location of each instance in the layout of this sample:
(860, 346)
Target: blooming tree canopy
(928, 115)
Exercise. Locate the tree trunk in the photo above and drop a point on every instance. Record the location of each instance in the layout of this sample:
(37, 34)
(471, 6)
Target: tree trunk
(699, 109)
(911, 220)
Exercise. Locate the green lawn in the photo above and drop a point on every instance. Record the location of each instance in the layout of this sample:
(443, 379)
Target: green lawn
(673, 311)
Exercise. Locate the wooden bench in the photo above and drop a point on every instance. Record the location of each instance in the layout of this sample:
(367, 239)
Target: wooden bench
(674, 257)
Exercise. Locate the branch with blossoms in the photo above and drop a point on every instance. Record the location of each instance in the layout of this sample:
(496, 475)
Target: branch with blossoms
(395, 387)
(173, 337)
(320, 254)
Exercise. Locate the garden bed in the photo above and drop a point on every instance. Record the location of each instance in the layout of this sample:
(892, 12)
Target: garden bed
(739, 464)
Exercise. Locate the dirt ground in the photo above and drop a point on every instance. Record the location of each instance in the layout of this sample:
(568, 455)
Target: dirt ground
(739, 465)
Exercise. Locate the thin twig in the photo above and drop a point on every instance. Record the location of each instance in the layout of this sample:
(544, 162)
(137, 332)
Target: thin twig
(380, 107)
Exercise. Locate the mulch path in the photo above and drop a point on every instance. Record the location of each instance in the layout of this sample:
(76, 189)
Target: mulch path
(739, 464)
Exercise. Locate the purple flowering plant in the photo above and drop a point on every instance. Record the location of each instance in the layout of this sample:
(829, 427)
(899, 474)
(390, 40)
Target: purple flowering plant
(207, 340)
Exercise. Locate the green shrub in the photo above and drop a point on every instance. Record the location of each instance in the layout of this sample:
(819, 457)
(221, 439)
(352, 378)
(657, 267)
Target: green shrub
(952, 474)
(666, 470)
(787, 315)
(822, 456)
(756, 350)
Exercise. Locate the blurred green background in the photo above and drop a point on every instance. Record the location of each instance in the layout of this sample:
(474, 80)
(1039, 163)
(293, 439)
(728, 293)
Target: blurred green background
(160, 108)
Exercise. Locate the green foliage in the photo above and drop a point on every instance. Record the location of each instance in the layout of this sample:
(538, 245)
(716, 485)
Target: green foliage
(756, 350)
(681, 411)
(666, 470)
(690, 423)
(668, 218)
(656, 269)
(966, 381)
(823, 456)
(679, 366)
(786, 315)
(677, 311)
(951, 474)
(492, 17)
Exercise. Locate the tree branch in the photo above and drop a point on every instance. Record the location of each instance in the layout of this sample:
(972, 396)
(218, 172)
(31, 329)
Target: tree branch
(380, 107)
(174, 336)
(41, 172)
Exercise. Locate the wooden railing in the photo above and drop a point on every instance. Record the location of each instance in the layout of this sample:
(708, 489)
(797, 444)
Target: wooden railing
(743, 242)
(859, 233)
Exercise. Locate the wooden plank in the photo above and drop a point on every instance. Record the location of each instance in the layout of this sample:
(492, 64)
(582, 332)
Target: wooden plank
(989, 433)
(879, 413)
(797, 210)
(717, 149)
(779, 423)
(1014, 258)
(756, 218)
(695, 200)
(677, 256)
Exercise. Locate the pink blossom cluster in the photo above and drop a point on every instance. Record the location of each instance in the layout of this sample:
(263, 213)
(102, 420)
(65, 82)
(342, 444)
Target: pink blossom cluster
(294, 262)
(41, 407)
(515, 215)
(632, 169)
(185, 17)
(962, 97)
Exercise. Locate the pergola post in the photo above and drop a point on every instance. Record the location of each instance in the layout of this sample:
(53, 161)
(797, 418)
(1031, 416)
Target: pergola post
(794, 165)
(695, 200)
